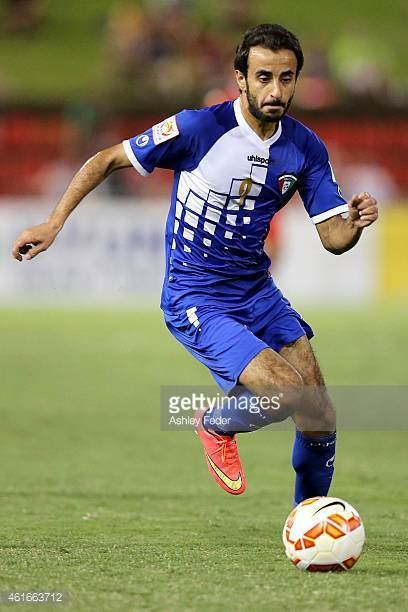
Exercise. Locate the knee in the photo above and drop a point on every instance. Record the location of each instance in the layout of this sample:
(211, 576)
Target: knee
(328, 418)
(287, 394)
(292, 389)
(292, 378)
(316, 417)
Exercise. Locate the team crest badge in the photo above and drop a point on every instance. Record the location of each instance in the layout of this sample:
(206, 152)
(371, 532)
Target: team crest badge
(286, 182)
(166, 130)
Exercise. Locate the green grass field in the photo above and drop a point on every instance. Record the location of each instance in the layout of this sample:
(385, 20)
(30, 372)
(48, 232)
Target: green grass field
(98, 502)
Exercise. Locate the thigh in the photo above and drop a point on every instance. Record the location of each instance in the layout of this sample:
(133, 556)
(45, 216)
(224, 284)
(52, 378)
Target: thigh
(269, 372)
(300, 354)
(271, 368)
(269, 376)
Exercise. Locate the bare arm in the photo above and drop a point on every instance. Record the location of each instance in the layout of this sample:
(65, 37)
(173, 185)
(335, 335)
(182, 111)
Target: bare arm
(339, 235)
(92, 173)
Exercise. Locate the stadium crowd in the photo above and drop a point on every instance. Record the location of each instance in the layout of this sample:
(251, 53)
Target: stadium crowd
(161, 56)
(178, 57)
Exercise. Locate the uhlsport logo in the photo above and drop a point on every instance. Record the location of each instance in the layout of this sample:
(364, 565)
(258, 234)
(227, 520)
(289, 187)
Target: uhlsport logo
(286, 182)
(259, 160)
(142, 140)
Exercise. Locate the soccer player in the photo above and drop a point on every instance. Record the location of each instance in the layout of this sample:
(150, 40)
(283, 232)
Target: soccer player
(235, 165)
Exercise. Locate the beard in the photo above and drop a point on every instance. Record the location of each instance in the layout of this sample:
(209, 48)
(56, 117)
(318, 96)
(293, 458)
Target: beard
(272, 117)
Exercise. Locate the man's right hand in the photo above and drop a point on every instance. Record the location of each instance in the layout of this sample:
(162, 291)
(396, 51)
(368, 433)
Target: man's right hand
(36, 239)
(40, 237)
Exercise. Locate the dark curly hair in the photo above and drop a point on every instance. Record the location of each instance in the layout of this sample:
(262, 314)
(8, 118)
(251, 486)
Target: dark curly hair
(271, 36)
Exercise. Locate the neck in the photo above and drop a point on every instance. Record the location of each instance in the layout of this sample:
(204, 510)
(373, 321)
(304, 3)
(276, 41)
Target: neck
(264, 129)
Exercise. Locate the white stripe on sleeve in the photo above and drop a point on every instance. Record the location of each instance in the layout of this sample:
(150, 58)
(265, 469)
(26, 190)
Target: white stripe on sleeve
(132, 158)
(330, 213)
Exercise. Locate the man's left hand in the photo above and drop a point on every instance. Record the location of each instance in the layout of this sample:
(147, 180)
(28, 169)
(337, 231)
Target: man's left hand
(363, 210)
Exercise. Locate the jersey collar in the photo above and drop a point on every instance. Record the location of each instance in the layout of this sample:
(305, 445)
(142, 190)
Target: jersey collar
(250, 132)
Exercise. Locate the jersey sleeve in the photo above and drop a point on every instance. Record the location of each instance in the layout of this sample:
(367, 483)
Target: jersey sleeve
(318, 188)
(168, 144)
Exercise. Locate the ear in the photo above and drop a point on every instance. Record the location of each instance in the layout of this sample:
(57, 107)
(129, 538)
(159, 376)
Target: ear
(241, 80)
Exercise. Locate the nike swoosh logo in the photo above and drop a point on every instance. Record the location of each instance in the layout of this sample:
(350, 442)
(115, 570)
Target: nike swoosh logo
(234, 485)
(334, 503)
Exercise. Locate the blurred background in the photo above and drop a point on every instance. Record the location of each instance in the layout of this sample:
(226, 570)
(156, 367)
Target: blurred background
(79, 76)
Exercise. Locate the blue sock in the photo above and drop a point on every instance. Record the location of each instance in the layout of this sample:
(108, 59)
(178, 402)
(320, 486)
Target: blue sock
(313, 462)
(237, 414)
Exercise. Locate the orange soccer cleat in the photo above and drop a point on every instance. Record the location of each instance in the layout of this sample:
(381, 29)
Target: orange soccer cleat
(221, 453)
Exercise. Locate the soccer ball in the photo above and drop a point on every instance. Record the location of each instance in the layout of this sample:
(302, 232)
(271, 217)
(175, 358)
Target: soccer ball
(323, 534)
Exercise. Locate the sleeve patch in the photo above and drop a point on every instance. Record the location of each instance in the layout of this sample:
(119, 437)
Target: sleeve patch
(165, 130)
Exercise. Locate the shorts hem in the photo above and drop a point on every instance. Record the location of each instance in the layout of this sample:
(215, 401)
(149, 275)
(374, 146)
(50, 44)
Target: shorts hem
(279, 346)
(243, 365)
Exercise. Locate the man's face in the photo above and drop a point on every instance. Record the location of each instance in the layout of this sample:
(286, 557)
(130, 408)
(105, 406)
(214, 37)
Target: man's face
(270, 83)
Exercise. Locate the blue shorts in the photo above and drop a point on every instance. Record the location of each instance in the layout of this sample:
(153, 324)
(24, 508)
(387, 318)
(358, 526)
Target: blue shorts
(226, 342)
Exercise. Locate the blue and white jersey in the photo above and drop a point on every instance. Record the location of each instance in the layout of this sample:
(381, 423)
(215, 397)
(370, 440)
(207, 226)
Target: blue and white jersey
(228, 184)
